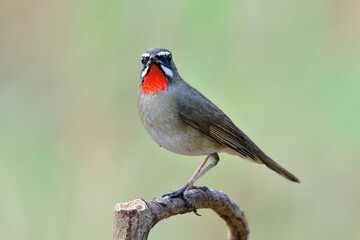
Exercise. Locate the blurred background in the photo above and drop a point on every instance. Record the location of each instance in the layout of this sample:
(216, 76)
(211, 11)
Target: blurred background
(72, 144)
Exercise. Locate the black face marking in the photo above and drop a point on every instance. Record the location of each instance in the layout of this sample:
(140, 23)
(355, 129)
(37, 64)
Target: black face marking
(162, 58)
(144, 60)
(168, 58)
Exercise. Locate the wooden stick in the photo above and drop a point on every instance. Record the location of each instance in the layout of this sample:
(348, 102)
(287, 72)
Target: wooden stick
(133, 220)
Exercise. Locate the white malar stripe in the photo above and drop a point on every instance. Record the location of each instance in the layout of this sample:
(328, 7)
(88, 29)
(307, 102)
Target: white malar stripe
(167, 71)
(144, 72)
(145, 55)
(163, 53)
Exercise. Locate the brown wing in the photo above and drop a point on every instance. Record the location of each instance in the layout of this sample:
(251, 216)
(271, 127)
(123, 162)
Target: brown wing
(202, 114)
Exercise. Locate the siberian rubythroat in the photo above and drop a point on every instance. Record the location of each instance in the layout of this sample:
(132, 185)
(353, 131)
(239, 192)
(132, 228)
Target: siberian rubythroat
(182, 120)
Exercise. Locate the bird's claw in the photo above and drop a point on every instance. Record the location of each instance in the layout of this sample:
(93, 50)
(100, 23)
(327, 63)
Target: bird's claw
(196, 213)
(179, 194)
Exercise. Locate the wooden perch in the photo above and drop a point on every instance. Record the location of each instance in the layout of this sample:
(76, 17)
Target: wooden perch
(133, 220)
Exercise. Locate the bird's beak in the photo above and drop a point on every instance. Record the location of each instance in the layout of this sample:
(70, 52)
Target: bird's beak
(153, 59)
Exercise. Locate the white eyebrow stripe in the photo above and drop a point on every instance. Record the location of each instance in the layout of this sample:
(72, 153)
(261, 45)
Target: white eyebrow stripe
(163, 53)
(167, 70)
(145, 55)
(144, 72)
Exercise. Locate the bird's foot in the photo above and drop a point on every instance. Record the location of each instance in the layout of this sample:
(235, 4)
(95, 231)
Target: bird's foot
(179, 194)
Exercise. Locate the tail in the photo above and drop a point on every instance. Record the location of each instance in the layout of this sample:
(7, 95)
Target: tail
(276, 167)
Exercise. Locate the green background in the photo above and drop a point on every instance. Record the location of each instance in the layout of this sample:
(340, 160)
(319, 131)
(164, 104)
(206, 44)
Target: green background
(72, 144)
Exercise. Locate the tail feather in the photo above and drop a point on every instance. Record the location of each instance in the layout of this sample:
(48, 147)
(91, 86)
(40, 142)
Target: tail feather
(276, 167)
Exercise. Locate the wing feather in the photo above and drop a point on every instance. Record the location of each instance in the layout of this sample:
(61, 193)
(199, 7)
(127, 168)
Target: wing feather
(199, 112)
(196, 110)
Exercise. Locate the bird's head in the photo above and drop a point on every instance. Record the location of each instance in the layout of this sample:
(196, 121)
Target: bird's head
(158, 70)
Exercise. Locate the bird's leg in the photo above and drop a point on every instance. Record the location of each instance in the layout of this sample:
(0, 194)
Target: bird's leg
(201, 166)
(214, 159)
(212, 164)
(177, 193)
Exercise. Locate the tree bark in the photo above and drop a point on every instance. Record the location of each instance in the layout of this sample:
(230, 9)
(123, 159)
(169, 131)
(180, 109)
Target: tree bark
(133, 220)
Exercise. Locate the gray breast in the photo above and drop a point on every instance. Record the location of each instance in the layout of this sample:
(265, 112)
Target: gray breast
(161, 120)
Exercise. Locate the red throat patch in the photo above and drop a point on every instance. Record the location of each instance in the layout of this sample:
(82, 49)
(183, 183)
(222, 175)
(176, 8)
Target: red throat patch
(155, 81)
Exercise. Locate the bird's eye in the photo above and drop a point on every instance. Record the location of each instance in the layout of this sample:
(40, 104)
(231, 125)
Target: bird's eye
(168, 58)
(144, 60)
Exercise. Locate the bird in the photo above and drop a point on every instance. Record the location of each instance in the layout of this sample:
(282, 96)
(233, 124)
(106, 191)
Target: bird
(182, 120)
